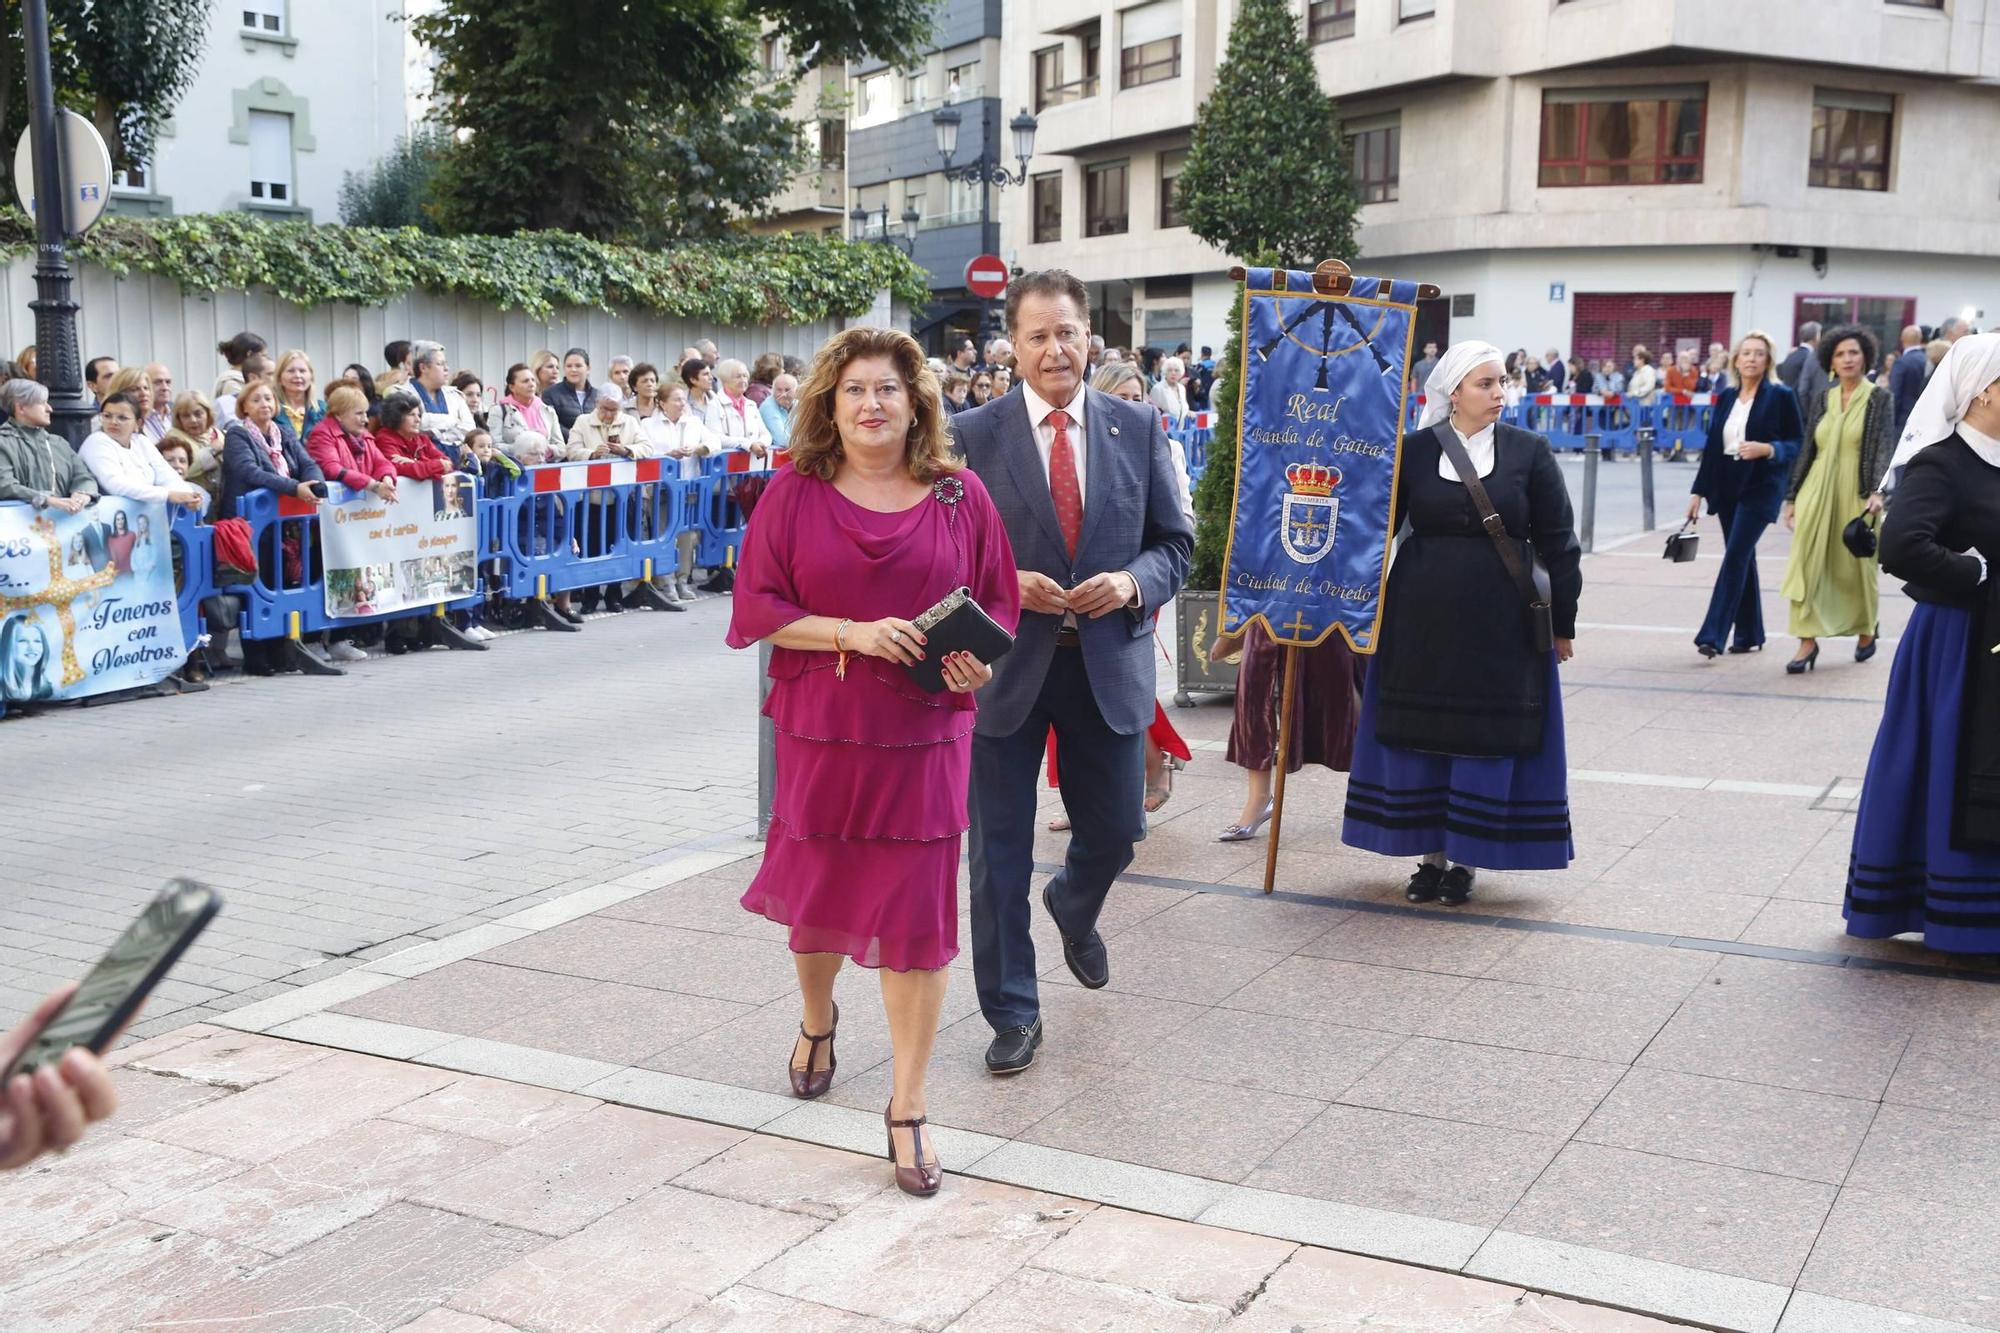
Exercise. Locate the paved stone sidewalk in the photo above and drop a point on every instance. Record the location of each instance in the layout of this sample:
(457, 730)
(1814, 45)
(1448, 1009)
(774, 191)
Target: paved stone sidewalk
(256, 1184)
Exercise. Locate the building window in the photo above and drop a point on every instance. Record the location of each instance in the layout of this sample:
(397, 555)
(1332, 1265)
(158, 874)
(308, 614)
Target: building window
(1884, 316)
(875, 104)
(1329, 20)
(771, 53)
(1850, 140)
(913, 88)
(1149, 44)
(134, 179)
(1048, 78)
(1634, 136)
(264, 17)
(1105, 210)
(1375, 155)
(1171, 163)
(1414, 9)
(1919, 4)
(962, 80)
(1093, 50)
(1047, 187)
(963, 199)
(271, 157)
(832, 143)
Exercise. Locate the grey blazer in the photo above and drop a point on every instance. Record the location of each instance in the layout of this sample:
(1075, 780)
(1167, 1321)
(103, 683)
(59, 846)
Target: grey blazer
(1132, 521)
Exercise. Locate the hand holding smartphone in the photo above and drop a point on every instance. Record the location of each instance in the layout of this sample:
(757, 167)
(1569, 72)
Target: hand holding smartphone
(54, 1085)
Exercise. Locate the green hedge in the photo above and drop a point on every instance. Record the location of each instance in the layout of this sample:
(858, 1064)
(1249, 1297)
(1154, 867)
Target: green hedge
(739, 282)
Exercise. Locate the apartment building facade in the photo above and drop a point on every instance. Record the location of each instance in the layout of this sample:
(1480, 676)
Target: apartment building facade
(894, 167)
(291, 96)
(1577, 174)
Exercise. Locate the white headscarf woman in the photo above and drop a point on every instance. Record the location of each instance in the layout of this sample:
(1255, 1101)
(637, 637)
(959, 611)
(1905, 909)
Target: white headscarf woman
(1450, 371)
(1968, 370)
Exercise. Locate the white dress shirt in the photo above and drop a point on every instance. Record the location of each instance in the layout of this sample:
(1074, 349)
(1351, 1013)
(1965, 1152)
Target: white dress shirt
(1478, 448)
(1735, 425)
(135, 471)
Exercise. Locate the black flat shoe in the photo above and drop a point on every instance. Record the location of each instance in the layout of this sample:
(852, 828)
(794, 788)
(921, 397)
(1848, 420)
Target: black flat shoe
(1087, 959)
(1737, 649)
(1014, 1050)
(1457, 886)
(1708, 650)
(1423, 886)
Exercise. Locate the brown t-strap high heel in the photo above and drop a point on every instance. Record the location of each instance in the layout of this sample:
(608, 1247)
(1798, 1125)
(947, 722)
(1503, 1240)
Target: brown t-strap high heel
(809, 1082)
(920, 1180)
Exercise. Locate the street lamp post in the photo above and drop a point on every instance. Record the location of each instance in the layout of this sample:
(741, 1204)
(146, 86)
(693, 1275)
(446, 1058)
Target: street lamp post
(985, 171)
(56, 360)
(907, 242)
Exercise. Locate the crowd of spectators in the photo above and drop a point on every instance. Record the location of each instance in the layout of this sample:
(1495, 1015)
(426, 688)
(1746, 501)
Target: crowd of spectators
(272, 423)
(1178, 383)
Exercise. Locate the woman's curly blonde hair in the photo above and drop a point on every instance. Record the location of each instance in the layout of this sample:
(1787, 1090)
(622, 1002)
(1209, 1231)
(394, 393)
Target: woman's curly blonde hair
(816, 449)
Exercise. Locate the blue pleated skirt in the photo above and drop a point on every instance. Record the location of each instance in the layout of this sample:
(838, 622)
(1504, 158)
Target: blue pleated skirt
(1497, 813)
(1904, 876)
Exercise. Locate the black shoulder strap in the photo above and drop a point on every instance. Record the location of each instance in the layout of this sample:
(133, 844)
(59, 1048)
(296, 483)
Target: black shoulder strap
(1489, 518)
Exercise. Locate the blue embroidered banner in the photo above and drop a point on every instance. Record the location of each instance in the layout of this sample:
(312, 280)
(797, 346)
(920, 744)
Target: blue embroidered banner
(1323, 382)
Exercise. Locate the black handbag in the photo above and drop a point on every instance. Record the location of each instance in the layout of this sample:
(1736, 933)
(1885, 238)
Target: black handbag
(1532, 579)
(1859, 536)
(1683, 546)
(956, 624)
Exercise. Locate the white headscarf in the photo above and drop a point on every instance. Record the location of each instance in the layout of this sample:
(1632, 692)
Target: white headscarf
(1452, 367)
(1972, 363)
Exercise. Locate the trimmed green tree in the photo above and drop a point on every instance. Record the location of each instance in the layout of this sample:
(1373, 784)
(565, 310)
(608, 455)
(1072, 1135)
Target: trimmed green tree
(392, 191)
(1266, 181)
(669, 135)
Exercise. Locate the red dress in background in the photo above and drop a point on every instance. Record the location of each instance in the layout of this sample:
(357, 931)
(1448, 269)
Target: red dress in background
(872, 772)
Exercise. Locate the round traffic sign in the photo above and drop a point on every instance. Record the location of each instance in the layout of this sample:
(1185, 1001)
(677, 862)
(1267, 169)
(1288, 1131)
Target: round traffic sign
(86, 172)
(986, 275)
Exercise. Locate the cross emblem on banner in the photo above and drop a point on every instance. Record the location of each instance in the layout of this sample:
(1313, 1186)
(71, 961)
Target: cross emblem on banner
(59, 594)
(1297, 629)
(1308, 529)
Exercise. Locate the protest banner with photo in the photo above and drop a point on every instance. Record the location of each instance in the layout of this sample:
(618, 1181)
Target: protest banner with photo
(1323, 380)
(417, 552)
(86, 601)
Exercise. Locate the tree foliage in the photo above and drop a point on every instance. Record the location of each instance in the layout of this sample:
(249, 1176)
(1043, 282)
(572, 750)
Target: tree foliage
(1215, 493)
(123, 63)
(742, 281)
(668, 135)
(1267, 172)
(392, 191)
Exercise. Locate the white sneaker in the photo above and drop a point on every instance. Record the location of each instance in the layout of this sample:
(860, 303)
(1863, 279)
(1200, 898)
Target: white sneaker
(481, 633)
(340, 650)
(688, 593)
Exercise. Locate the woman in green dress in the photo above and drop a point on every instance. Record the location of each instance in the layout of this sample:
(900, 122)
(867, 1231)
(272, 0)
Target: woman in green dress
(1837, 478)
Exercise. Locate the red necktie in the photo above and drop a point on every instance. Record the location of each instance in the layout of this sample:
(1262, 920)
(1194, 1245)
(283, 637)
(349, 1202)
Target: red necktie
(1062, 483)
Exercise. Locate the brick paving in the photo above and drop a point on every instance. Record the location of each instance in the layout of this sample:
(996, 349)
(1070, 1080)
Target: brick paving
(1663, 1079)
(444, 1203)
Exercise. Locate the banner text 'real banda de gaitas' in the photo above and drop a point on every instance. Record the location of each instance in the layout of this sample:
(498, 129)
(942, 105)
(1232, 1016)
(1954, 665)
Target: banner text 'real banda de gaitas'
(1323, 383)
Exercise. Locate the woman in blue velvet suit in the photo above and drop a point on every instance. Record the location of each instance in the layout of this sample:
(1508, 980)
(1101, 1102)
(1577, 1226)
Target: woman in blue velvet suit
(1752, 439)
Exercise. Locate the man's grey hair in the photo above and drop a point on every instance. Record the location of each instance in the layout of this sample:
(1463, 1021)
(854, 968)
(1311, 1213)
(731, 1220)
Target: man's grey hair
(25, 393)
(622, 360)
(1809, 331)
(1952, 326)
(423, 353)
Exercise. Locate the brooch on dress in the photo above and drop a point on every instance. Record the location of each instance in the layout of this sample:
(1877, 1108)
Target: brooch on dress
(948, 490)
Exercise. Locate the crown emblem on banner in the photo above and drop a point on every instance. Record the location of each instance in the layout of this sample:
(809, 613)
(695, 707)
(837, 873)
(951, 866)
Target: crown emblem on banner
(1312, 478)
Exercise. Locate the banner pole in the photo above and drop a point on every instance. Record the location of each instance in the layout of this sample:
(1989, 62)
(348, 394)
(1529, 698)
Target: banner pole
(1289, 699)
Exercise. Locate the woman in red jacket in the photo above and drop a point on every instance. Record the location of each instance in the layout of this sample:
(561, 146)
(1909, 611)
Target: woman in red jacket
(341, 445)
(401, 438)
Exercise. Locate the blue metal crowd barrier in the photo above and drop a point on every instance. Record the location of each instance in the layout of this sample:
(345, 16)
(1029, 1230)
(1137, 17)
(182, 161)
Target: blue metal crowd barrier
(565, 526)
(194, 566)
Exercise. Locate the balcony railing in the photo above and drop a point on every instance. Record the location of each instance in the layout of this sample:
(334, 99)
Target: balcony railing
(1065, 93)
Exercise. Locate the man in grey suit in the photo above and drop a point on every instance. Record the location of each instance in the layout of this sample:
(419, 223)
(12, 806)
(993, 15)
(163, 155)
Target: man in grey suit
(1085, 486)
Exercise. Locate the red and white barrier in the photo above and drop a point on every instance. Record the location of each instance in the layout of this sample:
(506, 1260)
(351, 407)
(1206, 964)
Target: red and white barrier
(584, 476)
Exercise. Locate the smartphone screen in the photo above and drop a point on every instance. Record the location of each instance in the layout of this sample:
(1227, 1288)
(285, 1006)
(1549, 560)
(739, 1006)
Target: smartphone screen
(119, 984)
